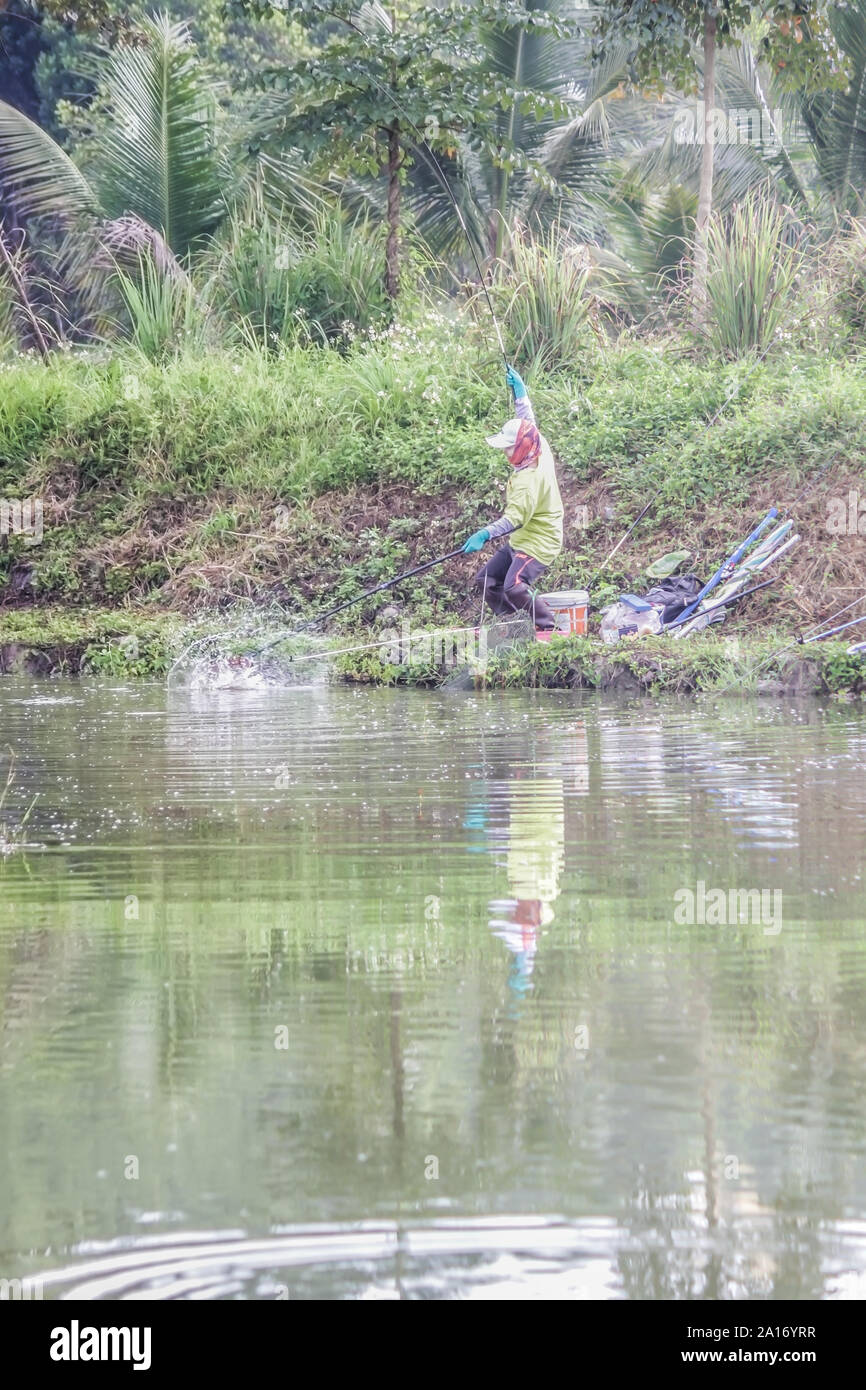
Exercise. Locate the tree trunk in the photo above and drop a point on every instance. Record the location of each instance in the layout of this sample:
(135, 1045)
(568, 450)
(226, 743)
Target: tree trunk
(705, 191)
(392, 246)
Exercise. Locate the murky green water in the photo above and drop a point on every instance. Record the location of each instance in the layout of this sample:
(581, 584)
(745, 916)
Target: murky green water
(378, 994)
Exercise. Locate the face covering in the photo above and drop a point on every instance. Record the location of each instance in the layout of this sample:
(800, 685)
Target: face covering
(527, 446)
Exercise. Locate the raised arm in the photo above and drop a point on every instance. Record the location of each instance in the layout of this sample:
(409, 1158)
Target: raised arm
(522, 404)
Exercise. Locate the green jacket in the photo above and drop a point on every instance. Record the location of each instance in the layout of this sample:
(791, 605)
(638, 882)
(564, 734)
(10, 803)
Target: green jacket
(533, 505)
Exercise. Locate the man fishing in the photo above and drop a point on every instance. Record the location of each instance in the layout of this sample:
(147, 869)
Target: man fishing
(532, 519)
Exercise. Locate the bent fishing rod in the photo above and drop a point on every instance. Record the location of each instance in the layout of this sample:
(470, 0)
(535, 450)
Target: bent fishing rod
(359, 598)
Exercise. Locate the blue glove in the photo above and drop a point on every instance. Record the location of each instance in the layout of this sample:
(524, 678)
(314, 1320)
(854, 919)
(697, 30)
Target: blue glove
(515, 381)
(476, 541)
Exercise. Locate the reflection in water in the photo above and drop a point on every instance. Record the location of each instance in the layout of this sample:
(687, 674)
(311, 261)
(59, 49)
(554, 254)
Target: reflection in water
(431, 900)
(534, 860)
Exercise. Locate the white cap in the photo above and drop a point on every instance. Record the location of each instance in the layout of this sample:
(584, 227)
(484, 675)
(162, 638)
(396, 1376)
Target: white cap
(507, 436)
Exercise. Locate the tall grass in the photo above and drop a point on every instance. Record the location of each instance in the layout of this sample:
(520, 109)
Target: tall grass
(542, 289)
(754, 272)
(339, 280)
(8, 336)
(22, 319)
(845, 267)
(165, 312)
(281, 283)
(248, 268)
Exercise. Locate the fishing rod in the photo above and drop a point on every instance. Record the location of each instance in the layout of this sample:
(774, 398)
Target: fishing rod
(723, 602)
(359, 598)
(606, 562)
(802, 640)
(831, 630)
(726, 569)
(766, 554)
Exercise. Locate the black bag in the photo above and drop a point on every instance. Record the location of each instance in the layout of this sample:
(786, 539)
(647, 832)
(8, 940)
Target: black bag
(674, 595)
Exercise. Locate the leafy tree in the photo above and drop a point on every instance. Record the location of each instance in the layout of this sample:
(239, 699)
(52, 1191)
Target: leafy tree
(666, 39)
(48, 51)
(22, 42)
(383, 81)
(574, 151)
(834, 118)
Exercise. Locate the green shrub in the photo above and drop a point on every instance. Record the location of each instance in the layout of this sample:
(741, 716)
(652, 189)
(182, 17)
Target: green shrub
(541, 290)
(281, 283)
(753, 272)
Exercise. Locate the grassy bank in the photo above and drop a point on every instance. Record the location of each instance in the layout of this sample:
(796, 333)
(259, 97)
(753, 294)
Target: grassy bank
(123, 644)
(304, 477)
(757, 665)
(83, 641)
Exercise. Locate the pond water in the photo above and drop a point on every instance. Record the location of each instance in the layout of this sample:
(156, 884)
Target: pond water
(381, 994)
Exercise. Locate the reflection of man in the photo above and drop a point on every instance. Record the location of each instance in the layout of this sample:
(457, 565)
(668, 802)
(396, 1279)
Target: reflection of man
(536, 854)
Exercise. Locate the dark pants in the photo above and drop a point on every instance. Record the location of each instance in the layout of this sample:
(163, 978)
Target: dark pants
(507, 577)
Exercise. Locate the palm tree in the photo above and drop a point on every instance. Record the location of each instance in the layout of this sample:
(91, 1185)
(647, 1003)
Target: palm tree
(162, 168)
(836, 120)
(762, 154)
(563, 164)
(155, 150)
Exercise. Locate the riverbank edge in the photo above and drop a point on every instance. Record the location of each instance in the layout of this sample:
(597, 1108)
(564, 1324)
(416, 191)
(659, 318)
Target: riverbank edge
(130, 644)
(707, 663)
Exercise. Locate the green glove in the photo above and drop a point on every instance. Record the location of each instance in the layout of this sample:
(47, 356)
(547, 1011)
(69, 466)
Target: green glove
(476, 541)
(515, 381)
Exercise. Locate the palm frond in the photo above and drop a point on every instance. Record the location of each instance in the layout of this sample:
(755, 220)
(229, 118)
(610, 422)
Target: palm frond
(38, 176)
(156, 155)
(837, 119)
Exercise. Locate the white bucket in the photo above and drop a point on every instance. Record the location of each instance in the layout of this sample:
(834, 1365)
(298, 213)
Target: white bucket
(571, 608)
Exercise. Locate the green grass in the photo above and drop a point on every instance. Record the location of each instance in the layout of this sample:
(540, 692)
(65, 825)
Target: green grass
(710, 665)
(237, 471)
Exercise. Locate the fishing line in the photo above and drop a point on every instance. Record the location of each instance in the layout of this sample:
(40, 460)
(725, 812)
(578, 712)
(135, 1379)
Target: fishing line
(803, 640)
(383, 641)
